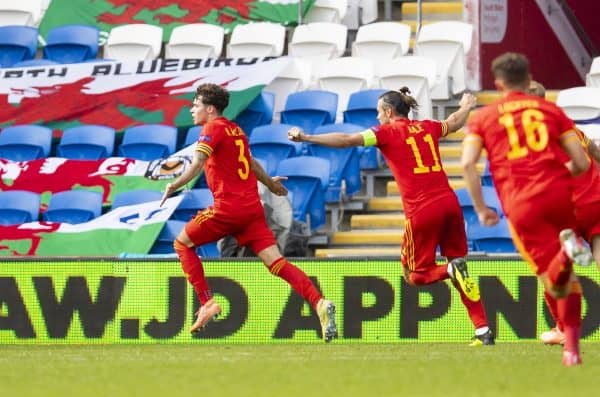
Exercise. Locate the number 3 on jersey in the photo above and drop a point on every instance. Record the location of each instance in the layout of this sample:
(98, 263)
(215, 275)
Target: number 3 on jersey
(244, 170)
(422, 168)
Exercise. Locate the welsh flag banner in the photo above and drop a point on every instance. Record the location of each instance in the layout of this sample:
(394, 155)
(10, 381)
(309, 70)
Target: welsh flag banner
(106, 14)
(108, 176)
(131, 229)
(121, 95)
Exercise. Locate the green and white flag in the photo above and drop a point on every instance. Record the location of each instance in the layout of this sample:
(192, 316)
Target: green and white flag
(105, 14)
(124, 94)
(131, 229)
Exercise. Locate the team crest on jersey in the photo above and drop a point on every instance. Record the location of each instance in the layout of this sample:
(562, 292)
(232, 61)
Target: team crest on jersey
(168, 168)
(204, 138)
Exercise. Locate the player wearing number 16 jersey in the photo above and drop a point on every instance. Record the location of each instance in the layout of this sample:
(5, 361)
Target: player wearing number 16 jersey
(231, 174)
(522, 135)
(433, 215)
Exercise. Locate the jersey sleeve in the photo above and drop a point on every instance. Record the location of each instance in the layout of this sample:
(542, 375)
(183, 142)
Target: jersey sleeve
(209, 139)
(565, 124)
(436, 128)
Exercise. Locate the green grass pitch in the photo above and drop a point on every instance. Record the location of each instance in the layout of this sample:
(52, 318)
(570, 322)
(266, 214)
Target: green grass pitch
(420, 369)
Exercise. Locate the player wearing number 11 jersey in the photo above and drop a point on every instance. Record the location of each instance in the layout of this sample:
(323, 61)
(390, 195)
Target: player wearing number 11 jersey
(231, 174)
(522, 135)
(433, 215)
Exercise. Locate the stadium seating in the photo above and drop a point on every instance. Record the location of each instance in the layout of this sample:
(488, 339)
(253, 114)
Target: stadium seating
(345, 76)
(258, 39)
(17, 43)
(134, 42)
(194, 41)
(270, 144)
(86, 142)
(362, 108)
(296, 76)
(307, 182)
(344, 177)
(148, 142)
(447, 43)
(21, 12)
(581, 104)
(593, 77)
(327, 11)
(492, 239)
(18, 206)
(491, 200)
(72, 43)
(415, 72)
(191, 137)
(134, 197)
(259, 112)
(486, 176)
(34, 62)
(382, 41)
(193, 201)
(592, 131)
(25, 142)
(310, 109)
(318, 41)
(73, 206)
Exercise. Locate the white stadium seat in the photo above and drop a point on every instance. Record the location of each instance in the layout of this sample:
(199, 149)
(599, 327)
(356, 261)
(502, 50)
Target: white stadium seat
(134, 42)
(447, 43)
(196, 40)
(20, 12)
(318, 41)
(415, 72)
(259, 39)
(580, 103)
(382, 40)
(593, 77)
(592, 131)
(296, 76)
(345, 76)
(327, 11)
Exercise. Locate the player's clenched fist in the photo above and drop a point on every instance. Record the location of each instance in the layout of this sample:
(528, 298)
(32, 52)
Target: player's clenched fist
(295, 134)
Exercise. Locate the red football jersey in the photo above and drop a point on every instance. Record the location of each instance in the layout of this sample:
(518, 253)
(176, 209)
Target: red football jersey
(586, 187)
(411, 149)
(521, 134)
(228, 168)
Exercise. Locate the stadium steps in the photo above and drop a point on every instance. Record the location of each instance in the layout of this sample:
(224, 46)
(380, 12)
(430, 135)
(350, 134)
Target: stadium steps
(392, 237)
(378, 221)
(433, 10)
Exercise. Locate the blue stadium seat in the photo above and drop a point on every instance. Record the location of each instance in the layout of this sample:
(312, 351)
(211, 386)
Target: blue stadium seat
(362, 108)
(486, 176)
(259, 112)
(270, 143)
(18, 206)
(310, 109)
(17, 43)
(73, 206)
(72, 43)
(34, 62)
(25, 142)
(168, 234)
(148, 142)
(86, 142)
(307, 182)
(133, 197)
(193, 201)
(494, 239)
(191, 137)
(345, 163)
(491, 199)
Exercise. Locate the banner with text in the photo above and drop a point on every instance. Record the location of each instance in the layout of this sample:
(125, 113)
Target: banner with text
(124, 94)
(149, 301)
(106, 14)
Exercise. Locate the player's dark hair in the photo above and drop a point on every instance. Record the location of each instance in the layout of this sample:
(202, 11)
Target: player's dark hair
(213, 94)
(511, 67)
(400, 101)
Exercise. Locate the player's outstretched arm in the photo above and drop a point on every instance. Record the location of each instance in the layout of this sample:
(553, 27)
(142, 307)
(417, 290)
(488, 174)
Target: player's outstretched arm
(273, 184)
(458, 119)
(188, 175)
(332, 139)
(572, 145)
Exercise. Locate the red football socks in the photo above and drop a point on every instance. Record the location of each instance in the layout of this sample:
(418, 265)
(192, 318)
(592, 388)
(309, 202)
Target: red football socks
(194, 272)
(297, 279)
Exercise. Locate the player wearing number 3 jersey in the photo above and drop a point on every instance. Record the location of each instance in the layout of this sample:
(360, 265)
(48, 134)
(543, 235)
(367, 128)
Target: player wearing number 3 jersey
(522, 135)
(231, 174)
(433, 215)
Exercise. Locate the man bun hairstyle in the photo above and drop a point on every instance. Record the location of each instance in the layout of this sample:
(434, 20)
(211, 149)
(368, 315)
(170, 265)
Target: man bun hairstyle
(400, 101)
(511, 67)
(213, 94)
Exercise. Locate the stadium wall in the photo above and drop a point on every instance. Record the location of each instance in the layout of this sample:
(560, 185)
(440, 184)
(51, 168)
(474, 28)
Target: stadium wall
(149, 301)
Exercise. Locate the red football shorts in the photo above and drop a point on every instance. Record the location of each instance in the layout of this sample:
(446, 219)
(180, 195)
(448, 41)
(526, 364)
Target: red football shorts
(438, 224)
(536, 224)
(249, 228)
